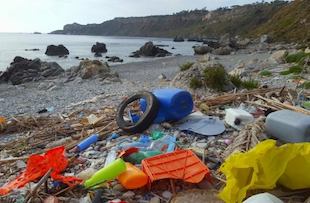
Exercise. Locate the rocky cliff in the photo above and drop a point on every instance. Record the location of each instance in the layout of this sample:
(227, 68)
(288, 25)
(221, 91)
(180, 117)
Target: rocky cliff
(247, 20)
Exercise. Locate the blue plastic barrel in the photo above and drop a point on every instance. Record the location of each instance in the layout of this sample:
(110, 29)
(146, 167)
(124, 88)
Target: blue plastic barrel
(174, 104)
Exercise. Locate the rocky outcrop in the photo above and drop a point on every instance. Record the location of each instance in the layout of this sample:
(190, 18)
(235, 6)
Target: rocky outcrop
(201, 50)
(222, 51)
(178, 39)
(99, 48)
(279, 56)
(149, 49)
(59, 50)
(92, 69)
(23, 70)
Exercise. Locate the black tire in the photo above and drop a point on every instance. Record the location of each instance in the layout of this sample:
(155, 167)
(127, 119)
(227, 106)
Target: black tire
(145, 120)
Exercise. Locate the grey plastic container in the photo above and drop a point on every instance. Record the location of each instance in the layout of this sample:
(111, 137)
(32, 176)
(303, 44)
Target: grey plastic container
(288, 126)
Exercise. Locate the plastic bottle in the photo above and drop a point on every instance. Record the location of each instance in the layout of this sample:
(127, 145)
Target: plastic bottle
(136, 158)
(288, 126)
(143, 143)
(165, 144)
(111, 156)
(107, 173)
(133, 177)
(87, 142)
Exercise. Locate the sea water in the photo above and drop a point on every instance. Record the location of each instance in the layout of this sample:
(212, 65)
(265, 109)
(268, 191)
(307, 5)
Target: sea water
(14, 44)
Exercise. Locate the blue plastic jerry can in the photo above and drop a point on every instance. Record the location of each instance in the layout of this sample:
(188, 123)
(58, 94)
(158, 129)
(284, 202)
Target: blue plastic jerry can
(174, 104)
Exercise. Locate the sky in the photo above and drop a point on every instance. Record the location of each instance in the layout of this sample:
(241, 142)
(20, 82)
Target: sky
(48, 15)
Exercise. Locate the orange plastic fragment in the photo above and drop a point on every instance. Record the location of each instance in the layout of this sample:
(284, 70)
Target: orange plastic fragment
(38, 166)
(181, 164)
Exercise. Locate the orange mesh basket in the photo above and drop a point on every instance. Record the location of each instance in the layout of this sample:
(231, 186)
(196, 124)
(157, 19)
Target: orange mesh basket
(181, 164)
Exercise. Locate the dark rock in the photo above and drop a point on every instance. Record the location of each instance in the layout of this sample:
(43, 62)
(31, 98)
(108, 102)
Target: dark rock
(23, 70)
(172, 47)
(97, 54)
(201, 50)
(178, 39)
(212, 43)
(222, 51)
(149, 49)
(227, 40)
(115, 59)
(77, 57)
(195, 39)
(59, 50)
(265, 39)
(99, 48)
(161, 45)
(32, 49)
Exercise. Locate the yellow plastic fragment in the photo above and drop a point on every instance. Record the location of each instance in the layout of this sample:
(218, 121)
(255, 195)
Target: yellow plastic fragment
(263, 167)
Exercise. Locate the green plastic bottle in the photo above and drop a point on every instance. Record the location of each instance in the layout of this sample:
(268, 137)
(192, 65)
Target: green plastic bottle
(136, 158)
(107, 173)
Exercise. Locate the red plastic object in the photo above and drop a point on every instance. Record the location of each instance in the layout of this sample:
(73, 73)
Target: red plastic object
(181, 164)
(38, 166)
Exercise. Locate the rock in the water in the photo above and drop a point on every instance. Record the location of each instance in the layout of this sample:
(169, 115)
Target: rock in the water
(99, 48)
(265, 39)
(201, 50)
(279, 56)
(23, 70)
(97, 54)
(178, 39)
(149, 49)
(115, 59)
(59, 50)
(222, 51)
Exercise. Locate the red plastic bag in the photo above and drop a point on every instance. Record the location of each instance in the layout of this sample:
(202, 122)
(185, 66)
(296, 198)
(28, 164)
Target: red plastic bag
(38, 166)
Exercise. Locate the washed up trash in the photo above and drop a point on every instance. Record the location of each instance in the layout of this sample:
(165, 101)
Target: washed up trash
(288, 126)
(265, 166)
(38, 166)
(111, 156)
(156, 134)
(84, 144)
(263, 198)
(2, 123)
(137, 157)
(238, 118)
(181, 164)
(145, 120)
(174, 104)
(164, 144)
(107, 173)
(201, 124)
(113, 136)
(133, 177)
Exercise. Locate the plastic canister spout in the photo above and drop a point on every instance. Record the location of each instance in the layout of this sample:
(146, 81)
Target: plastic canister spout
(133, 177)
(87, 142)
(107, 173)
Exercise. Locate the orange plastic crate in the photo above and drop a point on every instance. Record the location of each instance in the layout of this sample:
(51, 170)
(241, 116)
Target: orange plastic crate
(181, 164)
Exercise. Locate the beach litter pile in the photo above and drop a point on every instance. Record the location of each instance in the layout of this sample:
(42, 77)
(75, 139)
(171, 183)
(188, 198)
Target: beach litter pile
(163, 146)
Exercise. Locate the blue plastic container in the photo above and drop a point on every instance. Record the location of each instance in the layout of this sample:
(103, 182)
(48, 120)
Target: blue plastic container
(174, 104)
(87, 142)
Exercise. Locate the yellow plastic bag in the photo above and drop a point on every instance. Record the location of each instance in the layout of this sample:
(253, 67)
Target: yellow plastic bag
(263, 167)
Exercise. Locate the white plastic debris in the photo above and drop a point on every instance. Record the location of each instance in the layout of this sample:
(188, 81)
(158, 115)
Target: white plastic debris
(238, 118)
(263, 197)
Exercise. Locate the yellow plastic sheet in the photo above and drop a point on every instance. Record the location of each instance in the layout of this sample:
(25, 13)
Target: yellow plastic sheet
(263, 167)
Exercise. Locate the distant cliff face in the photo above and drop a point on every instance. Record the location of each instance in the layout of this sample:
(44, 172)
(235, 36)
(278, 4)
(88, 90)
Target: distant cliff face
(248, 20)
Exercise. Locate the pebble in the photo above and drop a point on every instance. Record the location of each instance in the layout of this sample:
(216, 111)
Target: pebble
(166, 194)
(20, 164)
(128, 195)
(155, 200)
